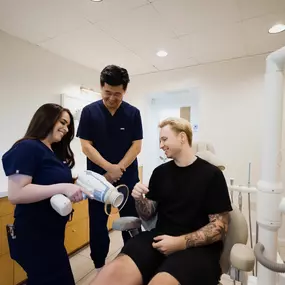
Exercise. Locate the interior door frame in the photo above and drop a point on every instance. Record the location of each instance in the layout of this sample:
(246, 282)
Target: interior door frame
(158, 102)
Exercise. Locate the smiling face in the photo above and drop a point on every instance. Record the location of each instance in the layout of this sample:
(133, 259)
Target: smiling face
(112, 96)
(60, 128)
(171, 142)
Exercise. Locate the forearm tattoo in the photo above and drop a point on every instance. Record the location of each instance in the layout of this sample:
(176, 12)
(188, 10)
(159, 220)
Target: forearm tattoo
(146, 208)
(214, 231)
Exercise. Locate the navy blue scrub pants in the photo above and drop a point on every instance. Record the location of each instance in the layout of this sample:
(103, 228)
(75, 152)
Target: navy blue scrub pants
(99, 236)
(43, 257)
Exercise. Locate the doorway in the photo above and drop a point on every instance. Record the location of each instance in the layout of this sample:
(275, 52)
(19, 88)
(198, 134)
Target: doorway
(183, 104)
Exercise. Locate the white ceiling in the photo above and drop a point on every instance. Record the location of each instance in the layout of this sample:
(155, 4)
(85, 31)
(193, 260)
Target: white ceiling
(130, 32)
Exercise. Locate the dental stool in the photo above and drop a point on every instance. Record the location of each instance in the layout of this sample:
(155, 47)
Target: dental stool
(237, 258)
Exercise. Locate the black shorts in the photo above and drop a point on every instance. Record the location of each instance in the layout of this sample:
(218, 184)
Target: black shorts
(197, 266)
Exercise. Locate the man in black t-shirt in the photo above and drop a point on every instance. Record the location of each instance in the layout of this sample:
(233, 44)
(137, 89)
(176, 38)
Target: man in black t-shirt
(191, 199)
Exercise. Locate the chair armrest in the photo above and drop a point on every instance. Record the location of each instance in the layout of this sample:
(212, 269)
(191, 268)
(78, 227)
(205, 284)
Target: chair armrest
(126, 224)
(242, 257)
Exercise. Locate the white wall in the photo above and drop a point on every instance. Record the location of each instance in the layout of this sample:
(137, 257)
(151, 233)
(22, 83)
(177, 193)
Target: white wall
(229, 108)
(30, 77)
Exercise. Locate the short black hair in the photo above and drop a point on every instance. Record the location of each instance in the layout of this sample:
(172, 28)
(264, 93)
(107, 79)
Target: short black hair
(114, 75)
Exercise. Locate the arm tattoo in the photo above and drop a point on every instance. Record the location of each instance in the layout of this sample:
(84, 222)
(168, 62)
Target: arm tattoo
(214, 231)
(146, 208)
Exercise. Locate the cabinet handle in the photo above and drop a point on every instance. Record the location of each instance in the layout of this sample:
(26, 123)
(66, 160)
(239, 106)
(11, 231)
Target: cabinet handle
(73, 230)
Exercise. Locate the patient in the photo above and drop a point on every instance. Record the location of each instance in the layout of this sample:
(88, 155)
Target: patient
(191, 199)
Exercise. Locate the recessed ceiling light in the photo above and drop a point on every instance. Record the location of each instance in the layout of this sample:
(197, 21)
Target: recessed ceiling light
(162, 53)
(96, 0)
(278, 28)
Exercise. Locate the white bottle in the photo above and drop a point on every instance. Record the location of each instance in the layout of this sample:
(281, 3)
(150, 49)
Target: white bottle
(101, 189)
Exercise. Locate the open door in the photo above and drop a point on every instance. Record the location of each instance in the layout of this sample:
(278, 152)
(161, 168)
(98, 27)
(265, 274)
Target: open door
(184, 104)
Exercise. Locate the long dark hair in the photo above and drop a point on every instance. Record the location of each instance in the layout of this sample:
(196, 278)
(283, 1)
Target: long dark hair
(41, 126)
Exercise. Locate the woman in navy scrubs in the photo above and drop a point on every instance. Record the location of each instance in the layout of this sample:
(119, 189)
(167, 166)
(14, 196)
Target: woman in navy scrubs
(38, 166)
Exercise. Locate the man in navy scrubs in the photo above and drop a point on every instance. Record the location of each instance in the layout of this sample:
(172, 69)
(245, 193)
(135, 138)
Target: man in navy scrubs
(110, 131)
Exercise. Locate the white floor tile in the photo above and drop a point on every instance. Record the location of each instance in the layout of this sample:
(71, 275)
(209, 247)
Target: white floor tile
(85, 252)
(113, 256)
(81, 266)
(116, 242)
(88, 278)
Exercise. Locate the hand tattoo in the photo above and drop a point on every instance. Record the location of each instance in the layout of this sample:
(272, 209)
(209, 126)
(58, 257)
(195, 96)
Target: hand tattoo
(146, 208)
(214, 231)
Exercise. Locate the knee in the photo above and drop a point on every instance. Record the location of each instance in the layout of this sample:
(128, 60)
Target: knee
(113, 270)
(121, 271)
(163, 278)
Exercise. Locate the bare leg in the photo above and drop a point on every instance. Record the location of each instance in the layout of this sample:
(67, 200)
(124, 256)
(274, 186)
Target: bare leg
(163, 278)
(121, 271)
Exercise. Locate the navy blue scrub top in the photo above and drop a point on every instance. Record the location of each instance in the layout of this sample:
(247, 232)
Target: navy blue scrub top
(112, 135)
(34, 158)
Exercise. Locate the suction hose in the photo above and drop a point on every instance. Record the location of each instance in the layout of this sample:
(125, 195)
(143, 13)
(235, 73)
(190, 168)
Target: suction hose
(271, 265)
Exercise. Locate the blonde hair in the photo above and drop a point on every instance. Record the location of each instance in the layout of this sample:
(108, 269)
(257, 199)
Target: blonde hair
(179, 125)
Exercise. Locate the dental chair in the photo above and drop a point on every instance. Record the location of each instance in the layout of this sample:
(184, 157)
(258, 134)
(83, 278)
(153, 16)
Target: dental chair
(237, 259)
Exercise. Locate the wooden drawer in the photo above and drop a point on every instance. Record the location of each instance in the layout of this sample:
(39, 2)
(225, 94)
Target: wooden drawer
(76, 235)
(4, 220)
(80, 212)
(6, 270)
(5, 207)
(19, 273)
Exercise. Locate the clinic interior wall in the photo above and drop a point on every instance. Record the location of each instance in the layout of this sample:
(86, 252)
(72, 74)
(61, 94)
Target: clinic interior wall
(30, 77)
(229, 113)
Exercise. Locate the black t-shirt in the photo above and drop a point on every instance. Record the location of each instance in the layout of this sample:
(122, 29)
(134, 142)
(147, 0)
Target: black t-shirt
(186, 196)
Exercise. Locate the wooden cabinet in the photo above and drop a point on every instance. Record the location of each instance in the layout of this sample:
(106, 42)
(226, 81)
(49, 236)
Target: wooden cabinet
(4, 220)
(76, 236)
(19, 274)
(6, 270)
(10, 272)
(77, 232)
(5, 207)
